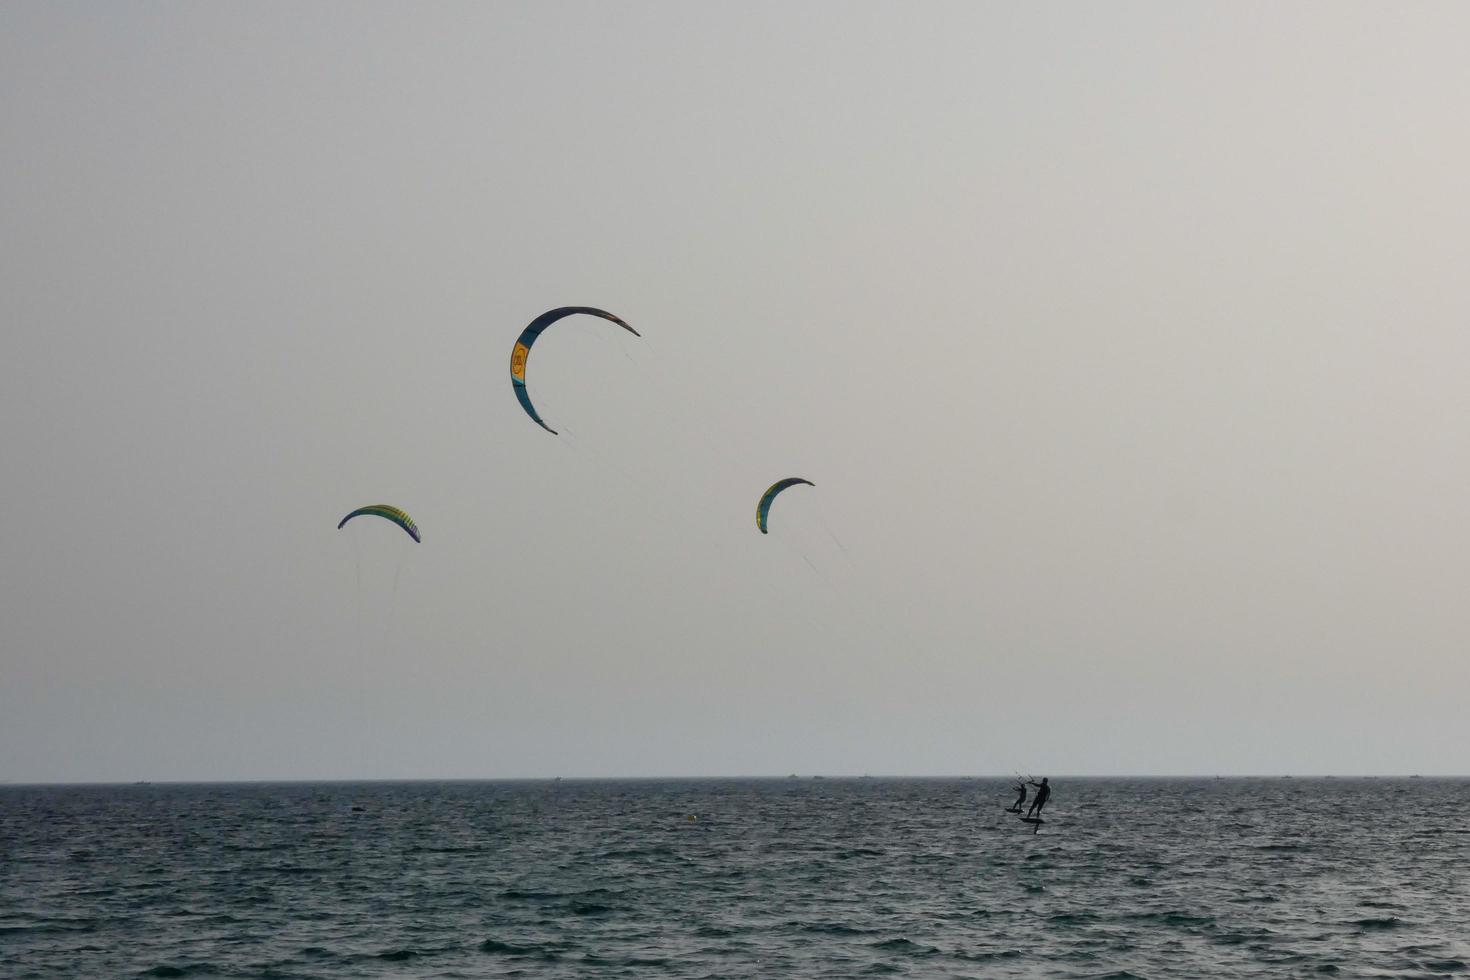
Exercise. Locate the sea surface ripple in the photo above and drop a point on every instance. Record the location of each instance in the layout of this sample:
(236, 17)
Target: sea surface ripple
(1157, 878)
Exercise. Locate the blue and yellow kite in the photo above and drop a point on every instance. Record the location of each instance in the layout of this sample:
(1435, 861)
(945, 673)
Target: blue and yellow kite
(389, 513)
(764, 507)
(522, 350)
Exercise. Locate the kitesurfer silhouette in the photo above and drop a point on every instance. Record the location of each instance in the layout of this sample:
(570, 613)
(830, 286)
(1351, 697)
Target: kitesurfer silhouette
(1020, 789)
(1043, 793)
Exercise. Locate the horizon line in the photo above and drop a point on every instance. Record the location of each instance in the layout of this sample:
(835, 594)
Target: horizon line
(808, 777)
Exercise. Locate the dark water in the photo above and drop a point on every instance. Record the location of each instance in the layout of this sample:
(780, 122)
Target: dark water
(777, 878)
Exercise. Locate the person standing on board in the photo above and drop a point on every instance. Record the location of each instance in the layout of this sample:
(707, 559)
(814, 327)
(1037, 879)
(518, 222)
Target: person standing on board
(1020, 789)
(1043, 793)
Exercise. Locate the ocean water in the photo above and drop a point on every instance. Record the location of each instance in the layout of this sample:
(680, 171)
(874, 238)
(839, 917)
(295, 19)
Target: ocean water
(737, 878)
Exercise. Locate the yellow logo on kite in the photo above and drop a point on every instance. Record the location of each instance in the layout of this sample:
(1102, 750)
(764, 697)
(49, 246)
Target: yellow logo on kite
(518, 362)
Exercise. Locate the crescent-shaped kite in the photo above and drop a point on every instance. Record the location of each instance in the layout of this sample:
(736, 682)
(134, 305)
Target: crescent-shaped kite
(388, 513)
(764, 507)
(522, 350)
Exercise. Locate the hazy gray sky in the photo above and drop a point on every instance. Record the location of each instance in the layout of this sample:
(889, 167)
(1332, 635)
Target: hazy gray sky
(1126, 345)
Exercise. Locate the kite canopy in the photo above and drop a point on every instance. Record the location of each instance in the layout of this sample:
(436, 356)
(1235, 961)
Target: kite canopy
(388, 513)
(522, 350)
(764, 507)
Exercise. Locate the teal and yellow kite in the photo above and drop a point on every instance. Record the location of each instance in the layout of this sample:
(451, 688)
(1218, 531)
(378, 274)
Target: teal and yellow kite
(388, 513)
(764, 507)
(522, 350)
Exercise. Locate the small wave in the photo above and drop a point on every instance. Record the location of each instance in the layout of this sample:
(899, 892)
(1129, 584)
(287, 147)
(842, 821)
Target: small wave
(188, 970)
(398, 955)
(1175, 918)
(51, 928)
(1071, 918)
(517, 950)
(637, 852)
(1447, 966)
(256, 896)
(998, 954)
(713, 932)
(829, 928)
(1386, 922)
(590, 908)
(317, 953)
(905, 947)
